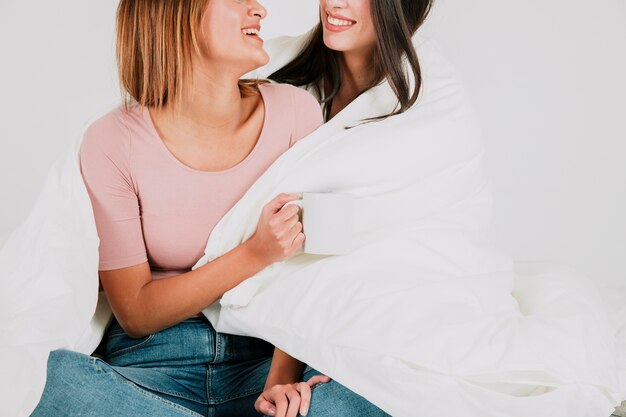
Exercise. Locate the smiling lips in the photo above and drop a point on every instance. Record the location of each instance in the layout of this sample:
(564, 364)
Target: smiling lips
(252, 32)
(336, 23)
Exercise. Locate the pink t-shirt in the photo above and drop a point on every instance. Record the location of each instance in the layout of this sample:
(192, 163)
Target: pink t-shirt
(149, 206)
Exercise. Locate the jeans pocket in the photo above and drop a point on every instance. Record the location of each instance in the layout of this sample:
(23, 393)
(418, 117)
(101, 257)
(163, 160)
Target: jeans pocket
(119, 343)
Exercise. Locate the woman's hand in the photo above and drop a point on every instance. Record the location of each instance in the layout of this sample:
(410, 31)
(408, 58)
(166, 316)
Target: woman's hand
(279, 232)
(289, 399)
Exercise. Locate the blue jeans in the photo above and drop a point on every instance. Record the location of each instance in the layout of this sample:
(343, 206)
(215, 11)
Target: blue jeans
(185, 370)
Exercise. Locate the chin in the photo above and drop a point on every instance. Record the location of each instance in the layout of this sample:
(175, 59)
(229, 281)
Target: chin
(265, 59)
(256, 63)
(335, 44)
(261, 60)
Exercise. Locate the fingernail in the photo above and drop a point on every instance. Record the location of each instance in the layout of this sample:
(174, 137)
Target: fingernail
(271, 411)
(305, 409)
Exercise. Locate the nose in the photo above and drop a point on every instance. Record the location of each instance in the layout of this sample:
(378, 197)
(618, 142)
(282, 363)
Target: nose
(258, 10)
(336, 3)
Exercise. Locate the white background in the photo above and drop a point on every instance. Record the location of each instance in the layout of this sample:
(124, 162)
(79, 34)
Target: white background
(548, 78)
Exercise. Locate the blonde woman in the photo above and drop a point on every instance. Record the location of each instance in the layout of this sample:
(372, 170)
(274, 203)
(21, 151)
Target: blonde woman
(161, 171)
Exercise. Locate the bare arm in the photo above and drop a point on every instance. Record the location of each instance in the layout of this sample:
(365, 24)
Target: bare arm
(144, 306)
(285, 369)
(283, 395)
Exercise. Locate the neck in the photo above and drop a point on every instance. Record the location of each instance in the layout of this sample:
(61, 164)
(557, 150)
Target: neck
(211, 105)
(356, 71)
(356, 74)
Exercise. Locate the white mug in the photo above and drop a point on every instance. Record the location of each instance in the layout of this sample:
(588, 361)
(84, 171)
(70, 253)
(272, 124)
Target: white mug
(327, 222)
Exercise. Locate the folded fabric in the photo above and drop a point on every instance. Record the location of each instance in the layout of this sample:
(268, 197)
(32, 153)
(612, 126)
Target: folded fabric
(424, 316)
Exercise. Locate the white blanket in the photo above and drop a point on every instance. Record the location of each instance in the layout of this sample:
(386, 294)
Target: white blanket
(48, 287)
(424, 317)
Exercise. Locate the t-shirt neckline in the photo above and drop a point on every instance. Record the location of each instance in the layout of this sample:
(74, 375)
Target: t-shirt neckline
(148, 119)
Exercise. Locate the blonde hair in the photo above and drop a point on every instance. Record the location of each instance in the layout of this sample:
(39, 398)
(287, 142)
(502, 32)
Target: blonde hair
(155, 41)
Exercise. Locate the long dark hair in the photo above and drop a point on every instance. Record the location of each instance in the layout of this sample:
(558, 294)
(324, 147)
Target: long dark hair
(395, 22)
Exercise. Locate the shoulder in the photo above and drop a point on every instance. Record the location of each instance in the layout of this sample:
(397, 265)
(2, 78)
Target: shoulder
(108, 133)
(289, 94)
(110, 123)
(108, 138)
(302, 106)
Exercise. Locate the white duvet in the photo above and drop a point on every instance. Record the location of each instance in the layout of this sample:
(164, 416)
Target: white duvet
(425, 317)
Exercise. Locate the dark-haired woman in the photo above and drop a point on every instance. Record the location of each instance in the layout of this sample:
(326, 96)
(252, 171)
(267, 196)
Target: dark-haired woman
(357, 45)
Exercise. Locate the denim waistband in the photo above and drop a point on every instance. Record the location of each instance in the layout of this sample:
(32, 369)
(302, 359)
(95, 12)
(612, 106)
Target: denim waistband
(192, 341)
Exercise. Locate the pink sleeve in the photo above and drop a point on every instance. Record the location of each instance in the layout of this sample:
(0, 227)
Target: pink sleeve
(308, 114)
(105, 166)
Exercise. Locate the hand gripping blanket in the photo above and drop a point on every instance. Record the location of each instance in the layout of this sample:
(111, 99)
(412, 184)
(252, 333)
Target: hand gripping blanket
(422, 317)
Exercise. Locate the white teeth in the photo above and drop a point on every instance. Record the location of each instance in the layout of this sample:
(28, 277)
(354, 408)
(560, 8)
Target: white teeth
(251, 31)
(339, 22)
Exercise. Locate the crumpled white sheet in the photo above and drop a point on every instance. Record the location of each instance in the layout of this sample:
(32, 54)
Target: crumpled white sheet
(425, 316)
(554, 329)
(48, 287)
